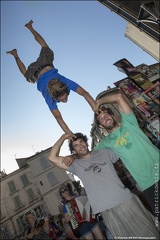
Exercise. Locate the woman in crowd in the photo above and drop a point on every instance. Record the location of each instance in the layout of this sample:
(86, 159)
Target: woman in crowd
(38, 229)
(86, 229)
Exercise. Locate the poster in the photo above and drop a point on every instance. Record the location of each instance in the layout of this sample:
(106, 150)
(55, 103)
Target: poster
(155, 67)
(146, 70)
(126, 67)
(146, 105)
(142, 82)
(153, 126)
(154, 93)
(130, 89)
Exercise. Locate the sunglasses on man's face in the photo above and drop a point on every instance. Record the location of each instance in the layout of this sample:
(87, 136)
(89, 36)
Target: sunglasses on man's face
(63, 191)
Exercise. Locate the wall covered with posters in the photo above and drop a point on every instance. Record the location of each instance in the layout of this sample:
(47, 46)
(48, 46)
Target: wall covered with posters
(141, 87)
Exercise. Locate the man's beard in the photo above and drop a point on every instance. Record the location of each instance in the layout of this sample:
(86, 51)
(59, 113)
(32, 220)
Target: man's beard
(84, 153)
(114, 124)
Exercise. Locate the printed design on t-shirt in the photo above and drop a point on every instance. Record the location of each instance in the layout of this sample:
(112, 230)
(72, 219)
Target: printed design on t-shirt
(96, 167)
(122, 141)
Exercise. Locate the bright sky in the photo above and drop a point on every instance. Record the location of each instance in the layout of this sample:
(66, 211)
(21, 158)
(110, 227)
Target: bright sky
(87, 38)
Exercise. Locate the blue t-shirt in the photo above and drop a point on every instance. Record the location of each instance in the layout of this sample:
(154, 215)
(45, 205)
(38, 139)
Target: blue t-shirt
(42, 83)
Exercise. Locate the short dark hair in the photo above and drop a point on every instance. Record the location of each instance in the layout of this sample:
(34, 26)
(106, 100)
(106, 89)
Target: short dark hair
(77, 136)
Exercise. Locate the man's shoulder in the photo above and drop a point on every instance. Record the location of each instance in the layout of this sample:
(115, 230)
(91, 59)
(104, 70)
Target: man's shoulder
(101, 142)
(106, 154)
(130, 117)
(126, 114)
(102, 151)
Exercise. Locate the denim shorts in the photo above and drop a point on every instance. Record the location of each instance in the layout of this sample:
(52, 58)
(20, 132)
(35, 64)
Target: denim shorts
(86, 227)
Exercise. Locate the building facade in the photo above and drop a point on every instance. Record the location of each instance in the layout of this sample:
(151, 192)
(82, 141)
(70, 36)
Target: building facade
(143, 40)
(35, 185)
(143, 22)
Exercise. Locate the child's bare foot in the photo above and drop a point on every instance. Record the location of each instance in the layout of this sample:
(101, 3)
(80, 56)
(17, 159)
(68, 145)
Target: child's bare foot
(13, 52)
(29, 24)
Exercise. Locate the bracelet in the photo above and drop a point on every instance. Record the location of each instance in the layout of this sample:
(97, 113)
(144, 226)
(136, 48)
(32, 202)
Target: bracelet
(16, 58)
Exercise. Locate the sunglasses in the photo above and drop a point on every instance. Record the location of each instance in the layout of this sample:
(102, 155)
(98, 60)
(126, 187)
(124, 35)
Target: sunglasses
(63, 191)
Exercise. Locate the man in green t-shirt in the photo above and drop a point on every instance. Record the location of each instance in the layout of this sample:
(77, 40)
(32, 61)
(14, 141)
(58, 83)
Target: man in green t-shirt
(130, 143)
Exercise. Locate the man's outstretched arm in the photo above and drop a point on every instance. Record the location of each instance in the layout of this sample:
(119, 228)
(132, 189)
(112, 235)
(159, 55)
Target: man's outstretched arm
(118, 98)
(54, 154)
(56, 113)
(88, 98)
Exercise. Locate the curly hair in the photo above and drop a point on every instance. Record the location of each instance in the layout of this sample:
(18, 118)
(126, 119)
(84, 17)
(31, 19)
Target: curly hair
(77, 136)
(56, 88)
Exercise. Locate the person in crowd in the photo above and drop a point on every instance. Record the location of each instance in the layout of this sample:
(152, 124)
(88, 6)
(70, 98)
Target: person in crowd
(53, 224)
(38, 229)
(123, 213)
(54, 87)
(131, 144)
(61, 231)
(66, 226)
(69, 233)
(86, 229)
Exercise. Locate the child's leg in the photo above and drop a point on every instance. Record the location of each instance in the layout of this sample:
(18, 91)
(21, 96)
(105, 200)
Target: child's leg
(36, 35)
(20, 64)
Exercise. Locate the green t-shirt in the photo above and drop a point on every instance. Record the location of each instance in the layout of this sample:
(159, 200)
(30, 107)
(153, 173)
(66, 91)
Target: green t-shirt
(135, 150)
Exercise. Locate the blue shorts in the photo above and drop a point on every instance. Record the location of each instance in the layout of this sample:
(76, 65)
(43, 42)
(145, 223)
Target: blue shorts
(86, 227)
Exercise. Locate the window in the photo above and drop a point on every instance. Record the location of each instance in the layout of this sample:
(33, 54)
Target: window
(30, 194)
(1, 215)
(12, 187)
(21, 224)
(17, 201)
(44, 162)
(41, 183)
(4, 232)
(24, 180)
(40, 212)
(52, 179)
